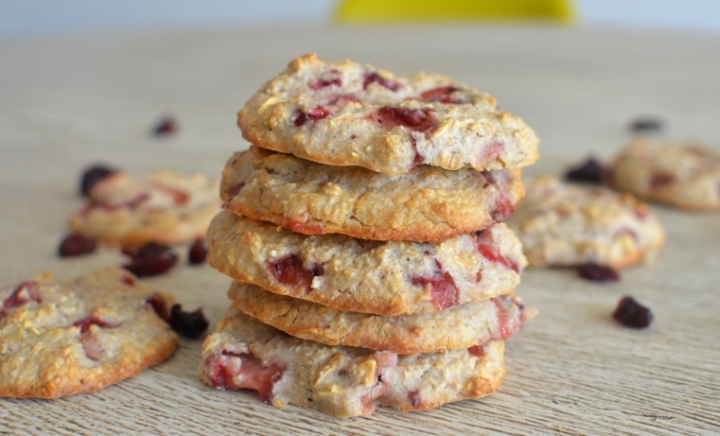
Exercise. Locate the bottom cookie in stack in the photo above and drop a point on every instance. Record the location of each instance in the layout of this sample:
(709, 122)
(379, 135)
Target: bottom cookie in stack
(343, 381)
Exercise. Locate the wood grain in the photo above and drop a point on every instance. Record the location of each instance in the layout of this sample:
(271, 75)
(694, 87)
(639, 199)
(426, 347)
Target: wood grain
(71, 101)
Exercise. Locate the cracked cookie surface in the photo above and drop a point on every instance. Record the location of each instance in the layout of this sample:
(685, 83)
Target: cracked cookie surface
(429, 204)
(681, 174)
(163, 207)
(243, 353)
(385, 278)
(67, 337)
(345, 114)
(562, 224)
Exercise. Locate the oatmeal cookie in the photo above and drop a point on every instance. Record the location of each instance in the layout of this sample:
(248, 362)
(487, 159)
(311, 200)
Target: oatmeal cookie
(68, 337)
(680, 174)
(428, 204)
(162, 207)
(561, 224)
(464, 326)
(348, 114)
(342, 381)
(385, 278)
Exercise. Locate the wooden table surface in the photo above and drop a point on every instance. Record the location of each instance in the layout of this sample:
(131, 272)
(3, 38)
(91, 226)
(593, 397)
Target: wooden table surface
(70, 101)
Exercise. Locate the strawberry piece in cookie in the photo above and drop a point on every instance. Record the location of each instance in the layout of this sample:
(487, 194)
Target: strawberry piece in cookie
(68, 337)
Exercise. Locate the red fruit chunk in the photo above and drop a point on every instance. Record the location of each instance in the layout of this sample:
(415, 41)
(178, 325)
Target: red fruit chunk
(290, 271)
(244, 371)
(630, 313)
(198, 252)
(490, 152)
(128, 280)
(414, 398)
(598, 273)
(376, 78)
(305, 229)
(166, 126)
(159, 306)
(23, 293)
(187, 324)
(491, 253)
(93, 175)
(441, 94)
(76, 244)
(503, 209)
(315, 114)
(443, 291)
(477, 350)
(589, 172)
(661, 179)
(85, 324)
(421, 120)
(323, 83)
(179, 197)
(150, 260)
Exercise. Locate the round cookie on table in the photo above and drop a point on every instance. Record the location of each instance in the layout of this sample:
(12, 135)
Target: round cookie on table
(163, 207)
(681, 174)
(67, 337)
(345, 113)
(428, 204)
(471, 324)
(384, 278)
(342, 381)
(561, 224)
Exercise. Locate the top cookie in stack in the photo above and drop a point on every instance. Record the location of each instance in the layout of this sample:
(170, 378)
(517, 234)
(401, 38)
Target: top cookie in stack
(366, 224)
(349, 114)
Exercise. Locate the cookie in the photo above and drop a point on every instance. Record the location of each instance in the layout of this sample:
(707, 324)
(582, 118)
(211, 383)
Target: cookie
(348, 114)
(385, 278)
(68, 337)
(681, 174)
(342, 381)
(463, 326)
(428, 204)
(563, 224)
(162, 207)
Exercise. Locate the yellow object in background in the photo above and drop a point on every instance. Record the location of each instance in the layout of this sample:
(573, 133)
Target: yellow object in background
(396, 11)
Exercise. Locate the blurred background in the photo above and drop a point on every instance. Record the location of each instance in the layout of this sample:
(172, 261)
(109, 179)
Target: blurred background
(40, 17)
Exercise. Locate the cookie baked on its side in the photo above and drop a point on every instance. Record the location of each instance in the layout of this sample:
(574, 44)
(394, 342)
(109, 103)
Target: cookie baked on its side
(470, 324)
(342, 381)
(345, 114)
(163, 207)
(681, 174)
(561, 224)
(67, 337)
(428, 204)
(385, 278)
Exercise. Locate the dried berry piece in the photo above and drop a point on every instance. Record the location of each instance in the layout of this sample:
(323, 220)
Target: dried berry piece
(646, 125)
(598, 273)
(376, 78)
(188, 324)
(150, 260)
(166, 126)
(76, 244)
(630, 313)
(198, 252)
(92, 175)
(589, 171)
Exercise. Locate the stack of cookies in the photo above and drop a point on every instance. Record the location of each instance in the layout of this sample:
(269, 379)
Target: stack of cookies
(363, 231)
